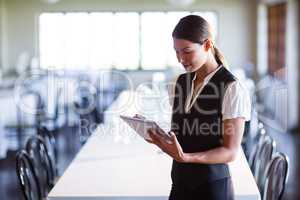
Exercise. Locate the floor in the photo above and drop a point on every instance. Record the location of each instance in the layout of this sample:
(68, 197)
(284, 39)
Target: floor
(69, 145)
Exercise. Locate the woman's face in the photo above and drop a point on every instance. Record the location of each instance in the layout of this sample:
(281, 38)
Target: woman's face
(191, 55)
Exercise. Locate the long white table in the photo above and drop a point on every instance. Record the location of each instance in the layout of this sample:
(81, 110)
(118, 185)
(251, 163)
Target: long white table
(114, 164)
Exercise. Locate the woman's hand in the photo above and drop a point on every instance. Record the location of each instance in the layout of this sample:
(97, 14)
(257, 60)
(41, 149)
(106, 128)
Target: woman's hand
(172, 148)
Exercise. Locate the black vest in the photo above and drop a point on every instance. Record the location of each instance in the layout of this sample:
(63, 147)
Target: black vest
(200, 128)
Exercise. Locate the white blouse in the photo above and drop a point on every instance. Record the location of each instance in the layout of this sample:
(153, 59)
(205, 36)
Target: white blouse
(236, 101)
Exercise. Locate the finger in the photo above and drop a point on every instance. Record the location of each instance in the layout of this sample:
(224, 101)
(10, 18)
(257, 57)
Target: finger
(152, 134)
(172, 134)
(153, 137)
(157, 140)
(173, 137)
(150, 141)
(157, 135)
(175, 141)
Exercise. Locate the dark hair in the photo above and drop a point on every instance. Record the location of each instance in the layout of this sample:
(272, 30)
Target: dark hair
(196, 29)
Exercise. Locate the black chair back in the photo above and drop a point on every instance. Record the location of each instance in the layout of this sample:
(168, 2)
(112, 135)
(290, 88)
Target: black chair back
(276, 177)
(37, 150)
(51, 146)
(27, 178)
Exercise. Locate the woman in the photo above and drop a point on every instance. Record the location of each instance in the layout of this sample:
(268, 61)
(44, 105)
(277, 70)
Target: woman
(210, 107)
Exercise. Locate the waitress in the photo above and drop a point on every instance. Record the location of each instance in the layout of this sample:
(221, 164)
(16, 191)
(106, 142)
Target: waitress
(210, 107)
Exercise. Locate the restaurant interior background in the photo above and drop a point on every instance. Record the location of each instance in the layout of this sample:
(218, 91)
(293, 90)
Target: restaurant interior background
(58, 55)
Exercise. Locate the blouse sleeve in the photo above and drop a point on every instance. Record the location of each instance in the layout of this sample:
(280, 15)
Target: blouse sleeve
(236, 102)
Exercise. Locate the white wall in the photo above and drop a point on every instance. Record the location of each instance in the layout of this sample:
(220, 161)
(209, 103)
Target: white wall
(1, 30)
(3, 38)
(237, 23)
(292, 61)
(262, 39)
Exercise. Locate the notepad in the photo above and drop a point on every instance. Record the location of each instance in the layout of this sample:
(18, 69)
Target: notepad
(141, 127)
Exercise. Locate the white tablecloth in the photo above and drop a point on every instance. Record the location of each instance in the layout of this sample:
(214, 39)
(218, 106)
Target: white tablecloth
(115, 163)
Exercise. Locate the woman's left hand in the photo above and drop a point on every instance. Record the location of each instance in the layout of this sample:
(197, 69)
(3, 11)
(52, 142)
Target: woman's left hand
(173, 148)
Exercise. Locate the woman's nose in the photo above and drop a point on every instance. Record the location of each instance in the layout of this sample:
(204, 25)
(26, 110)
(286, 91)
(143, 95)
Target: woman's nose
(181, 59)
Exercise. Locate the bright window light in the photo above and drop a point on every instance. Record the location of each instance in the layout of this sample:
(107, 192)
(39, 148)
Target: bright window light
(101, 40)
(126, 40)
(51, 41)
(106, 40)
(154, 40)
(77, 40)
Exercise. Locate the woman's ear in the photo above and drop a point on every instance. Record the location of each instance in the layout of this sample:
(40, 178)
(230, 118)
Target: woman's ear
(207, 44)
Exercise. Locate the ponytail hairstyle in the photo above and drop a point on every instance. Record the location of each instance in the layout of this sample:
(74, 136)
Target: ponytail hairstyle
(196, 29)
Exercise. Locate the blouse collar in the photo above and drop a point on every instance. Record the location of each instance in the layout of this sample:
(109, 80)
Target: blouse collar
(209, 76)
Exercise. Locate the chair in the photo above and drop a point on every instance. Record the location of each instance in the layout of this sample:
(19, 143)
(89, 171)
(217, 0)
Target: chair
(51, 146)
(37, 150)
(52, 122)
(27, 178)
(260, 131)
(276, 177)
(246, 138)
(26, 107)
(258, 142)
(85, 105)
(264, 155)
(251, 132)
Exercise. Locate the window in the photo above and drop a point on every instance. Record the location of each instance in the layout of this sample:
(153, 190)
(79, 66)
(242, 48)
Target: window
(52, 51)
(126, 40)
(77, 43)
(101, 40)
(153, 40)
(105, 40)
